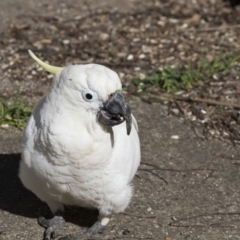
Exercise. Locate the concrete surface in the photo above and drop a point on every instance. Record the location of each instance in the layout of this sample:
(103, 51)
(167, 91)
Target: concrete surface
(192, 193)
(198, 192)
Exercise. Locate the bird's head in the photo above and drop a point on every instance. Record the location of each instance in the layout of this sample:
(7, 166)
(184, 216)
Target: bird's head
(93, 87)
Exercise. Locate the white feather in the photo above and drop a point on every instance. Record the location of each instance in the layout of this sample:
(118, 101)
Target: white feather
(68, 157)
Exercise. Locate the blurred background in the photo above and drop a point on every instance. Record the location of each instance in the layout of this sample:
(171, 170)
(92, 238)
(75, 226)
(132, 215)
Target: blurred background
(184, 54)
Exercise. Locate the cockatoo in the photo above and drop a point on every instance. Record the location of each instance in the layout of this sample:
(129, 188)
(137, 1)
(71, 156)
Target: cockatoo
(80, 146)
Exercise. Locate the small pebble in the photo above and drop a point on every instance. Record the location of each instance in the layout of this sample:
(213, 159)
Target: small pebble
(130, 57)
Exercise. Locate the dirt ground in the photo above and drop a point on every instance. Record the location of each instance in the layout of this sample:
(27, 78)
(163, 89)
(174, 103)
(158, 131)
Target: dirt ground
(187, 186)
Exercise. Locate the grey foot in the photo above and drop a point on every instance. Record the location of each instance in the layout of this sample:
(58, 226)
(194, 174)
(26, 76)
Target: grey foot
(96, 229)
(94, 232)
(52, 226)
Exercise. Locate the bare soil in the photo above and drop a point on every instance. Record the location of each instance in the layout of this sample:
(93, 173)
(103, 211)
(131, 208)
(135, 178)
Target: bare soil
(134, 38)
(187, 185)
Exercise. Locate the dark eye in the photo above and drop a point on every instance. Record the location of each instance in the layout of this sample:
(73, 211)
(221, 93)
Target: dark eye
(89, 96)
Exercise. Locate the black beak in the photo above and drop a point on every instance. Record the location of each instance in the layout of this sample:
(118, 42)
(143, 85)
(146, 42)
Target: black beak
(115, 111)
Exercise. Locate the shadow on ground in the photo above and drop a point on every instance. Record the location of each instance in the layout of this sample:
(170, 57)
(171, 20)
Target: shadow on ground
(187, 188)
(16, 199)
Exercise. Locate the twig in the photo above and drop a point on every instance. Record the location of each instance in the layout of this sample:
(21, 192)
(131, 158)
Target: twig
(203, 226)
(137, 215)
(207, 177)
(150, 171)
(236, 162)
(197, 133)
(207, 215)
(168, 97)
(177, 222)
(187, 225)
(223, 27)
(208, 101)
(219, 225)
(136, 175)
(210, 214)
(175, 170)
(222, 155)
(179, 107)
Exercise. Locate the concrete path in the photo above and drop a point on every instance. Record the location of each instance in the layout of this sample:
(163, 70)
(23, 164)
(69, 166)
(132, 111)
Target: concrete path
(186, 187)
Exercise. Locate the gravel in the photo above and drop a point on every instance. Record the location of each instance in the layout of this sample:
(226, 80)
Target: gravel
(133, 39)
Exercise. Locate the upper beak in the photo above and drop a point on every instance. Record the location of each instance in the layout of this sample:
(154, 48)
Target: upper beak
(115, 111)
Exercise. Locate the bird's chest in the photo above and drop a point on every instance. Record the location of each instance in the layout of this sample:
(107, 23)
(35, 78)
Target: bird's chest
(76, 148)
(65, 142)
(72, 163)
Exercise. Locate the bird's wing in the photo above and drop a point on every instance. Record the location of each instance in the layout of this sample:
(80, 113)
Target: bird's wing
(32, 125)
(125, 158)
(134, 121)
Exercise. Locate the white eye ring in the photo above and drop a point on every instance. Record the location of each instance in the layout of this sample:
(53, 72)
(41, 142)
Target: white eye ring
(89, 96)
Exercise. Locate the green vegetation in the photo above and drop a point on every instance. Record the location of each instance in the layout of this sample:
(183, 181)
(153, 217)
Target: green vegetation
(14, 114)
(174, 79)
(168, 80)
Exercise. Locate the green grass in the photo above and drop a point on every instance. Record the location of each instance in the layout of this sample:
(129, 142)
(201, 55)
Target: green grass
(168, 80)
(14, 114)
(181, 78)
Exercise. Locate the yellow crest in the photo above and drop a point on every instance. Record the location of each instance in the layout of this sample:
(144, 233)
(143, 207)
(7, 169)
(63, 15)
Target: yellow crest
(47, 67)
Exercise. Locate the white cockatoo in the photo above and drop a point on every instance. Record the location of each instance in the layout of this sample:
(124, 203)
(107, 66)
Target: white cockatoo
(80, 146)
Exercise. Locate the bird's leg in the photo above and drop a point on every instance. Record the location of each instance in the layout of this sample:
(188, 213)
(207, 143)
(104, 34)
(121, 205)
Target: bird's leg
(94, 232)
(53, 225)
(98, 227)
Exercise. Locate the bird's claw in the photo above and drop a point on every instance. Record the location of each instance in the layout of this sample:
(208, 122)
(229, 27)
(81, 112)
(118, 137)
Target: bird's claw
(95, 232)
(52, 226)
